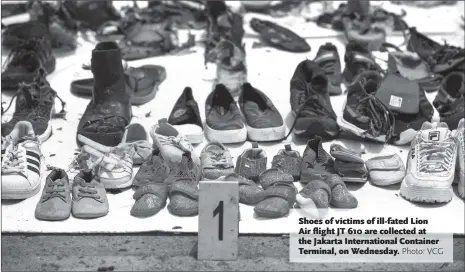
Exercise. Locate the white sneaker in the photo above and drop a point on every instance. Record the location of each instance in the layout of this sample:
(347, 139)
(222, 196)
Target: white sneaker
(171, 143)
(430, 165)
(22, 163)
(460, 138)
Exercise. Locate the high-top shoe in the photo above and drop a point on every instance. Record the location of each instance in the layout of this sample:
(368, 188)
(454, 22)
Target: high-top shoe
(35, 103)
(430, 165)
(328, 59)
(358, 59)
(310, 102)
(449, 100)
(365, 115)
(109, 112)
(316, 163)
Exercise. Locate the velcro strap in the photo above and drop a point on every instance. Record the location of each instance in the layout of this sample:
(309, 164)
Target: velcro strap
(185, 188)
(283, 190)
(384, 164)
(157, 189)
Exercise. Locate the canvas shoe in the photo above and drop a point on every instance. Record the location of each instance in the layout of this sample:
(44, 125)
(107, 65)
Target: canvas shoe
(328, 59)
(153, 170)
(449, 100)
(316, 163)
(55, 203)
(171, 143)
(224, 122)
(459, 134)
(430, 165)
(251, 163)
(136, 137)
(263, 120)
(365, 115)
(288, 161)
(185, 117)
(310, 103)
(22, 163)
(89, 197)
(216, 161)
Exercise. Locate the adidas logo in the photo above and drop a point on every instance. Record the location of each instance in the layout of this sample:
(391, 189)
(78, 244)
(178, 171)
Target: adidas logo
(33, 162)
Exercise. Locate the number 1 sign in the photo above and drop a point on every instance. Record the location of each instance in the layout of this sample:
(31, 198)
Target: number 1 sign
(218, 220)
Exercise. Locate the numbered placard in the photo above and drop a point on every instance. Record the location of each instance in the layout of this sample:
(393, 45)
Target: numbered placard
(218, 220)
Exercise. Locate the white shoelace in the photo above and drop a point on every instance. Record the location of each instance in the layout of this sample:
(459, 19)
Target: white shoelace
(179, 142)
(436, 157)
(14, 161)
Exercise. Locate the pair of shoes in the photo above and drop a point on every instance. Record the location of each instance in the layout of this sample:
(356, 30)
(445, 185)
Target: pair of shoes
(431, 165)
(55, 202)
(348, 164)
(22, 162)
(449, 100)
(35, 103)
(310, 103)
(185, 117)
(259, 121)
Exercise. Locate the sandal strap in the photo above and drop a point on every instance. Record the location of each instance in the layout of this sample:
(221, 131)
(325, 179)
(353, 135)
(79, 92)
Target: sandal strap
(286, 191)
(184, 188)
(157, 189)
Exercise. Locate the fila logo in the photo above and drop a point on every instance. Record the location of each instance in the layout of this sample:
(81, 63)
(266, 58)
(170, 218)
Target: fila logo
(33, 162)
(434, 136)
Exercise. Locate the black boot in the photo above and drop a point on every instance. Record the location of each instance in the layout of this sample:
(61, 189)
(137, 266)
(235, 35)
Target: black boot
(109, 111)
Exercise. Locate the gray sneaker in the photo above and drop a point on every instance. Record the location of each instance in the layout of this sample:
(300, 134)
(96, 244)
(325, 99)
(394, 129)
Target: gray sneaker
(89, 197)
(224, 122)
(288, 161)
(154, 170)
(263, 121)
(55, 203)
(251, 163)
(216, 161)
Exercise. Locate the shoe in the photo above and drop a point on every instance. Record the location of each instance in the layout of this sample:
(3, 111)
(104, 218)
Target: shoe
(365, 33)
(171, 143)
(185, 117)
(328, 59)
(430, 165)
(22, 163)
(91, 14)
(25, 61)
(348, 164)
(459, 134)
(109, 112)
(409, 105)
(386, 170)
(35, 103)
(55, 203)
(153, 170)
(136, 137)
(310, 103)
(251, 163)
(449, 100)
(216, 161)
(365, 115)
(89, 197)
(288, 161)
(224, 122)
(12, 9)
(316, 163)
(357, 60)
(421, 44)
(279, 37)
(263, 121)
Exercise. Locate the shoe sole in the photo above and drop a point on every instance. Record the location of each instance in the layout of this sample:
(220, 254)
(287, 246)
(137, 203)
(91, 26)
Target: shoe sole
(226, 136)
(425, 194)
(354, 180)
(266, 134)
(25, 194)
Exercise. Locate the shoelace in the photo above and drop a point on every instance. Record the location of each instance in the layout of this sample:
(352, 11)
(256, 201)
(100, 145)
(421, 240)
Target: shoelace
(13, 161)
(435, 157)
(87, 190)
(55, 189)
(446, 53)
(178, 142)
(219, 159)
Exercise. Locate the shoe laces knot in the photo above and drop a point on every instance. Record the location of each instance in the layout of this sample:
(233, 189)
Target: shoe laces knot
(176, 141)
(436, 157)
(219, 159)
(14, 160)
(87, 190)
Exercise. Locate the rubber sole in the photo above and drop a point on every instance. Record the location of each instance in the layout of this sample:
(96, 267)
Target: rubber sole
(25, 194)
(426, 194)
(226, 136)
(266, 134)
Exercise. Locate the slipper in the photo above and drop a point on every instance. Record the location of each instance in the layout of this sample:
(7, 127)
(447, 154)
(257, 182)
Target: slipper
(315, 195)
(150, 199)
(136, 136)
(279, 198)
(249, 192)
(184, 198)
(142, 82)
(340, 196)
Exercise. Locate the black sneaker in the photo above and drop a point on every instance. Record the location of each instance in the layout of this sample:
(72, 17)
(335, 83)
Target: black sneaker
(109, 112)
(357, 59)
(449, 100)
(35, 103)
(365, 115)
(185, 117)
(310, 102)
(25, 61)
(91, 14)
(328, 59)
(316, 163)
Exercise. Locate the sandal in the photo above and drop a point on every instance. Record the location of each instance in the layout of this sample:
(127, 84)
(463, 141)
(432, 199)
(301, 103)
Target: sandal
(278, 197)
(150, 199)
(249, 192)
(184, 198)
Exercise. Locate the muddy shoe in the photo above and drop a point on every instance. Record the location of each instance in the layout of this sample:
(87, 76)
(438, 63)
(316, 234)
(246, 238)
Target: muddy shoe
(150, 199)
(288, 161)
(340, 196)
(216, 161)
(55, 203)
(249, 192)
(153, 170)
(251, 163)
(109, 112)
(272, 176)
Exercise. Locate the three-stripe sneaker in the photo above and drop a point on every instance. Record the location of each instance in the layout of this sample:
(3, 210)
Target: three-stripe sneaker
(21, 163)
(430, 165)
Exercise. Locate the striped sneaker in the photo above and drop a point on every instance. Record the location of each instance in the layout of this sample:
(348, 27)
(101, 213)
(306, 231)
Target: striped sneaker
(22, 163)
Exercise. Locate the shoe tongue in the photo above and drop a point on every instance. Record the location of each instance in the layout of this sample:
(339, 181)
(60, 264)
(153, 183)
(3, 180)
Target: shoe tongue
(435, 133)
(214, 148)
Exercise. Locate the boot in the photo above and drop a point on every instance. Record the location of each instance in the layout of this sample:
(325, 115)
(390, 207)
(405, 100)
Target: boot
(109, 111)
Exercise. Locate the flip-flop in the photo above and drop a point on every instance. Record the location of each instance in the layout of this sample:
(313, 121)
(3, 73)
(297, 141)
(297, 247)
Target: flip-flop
(279, 198)
(142, 82)
(340, 196)
(249, 192)
(184, 198)
(150, 199)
